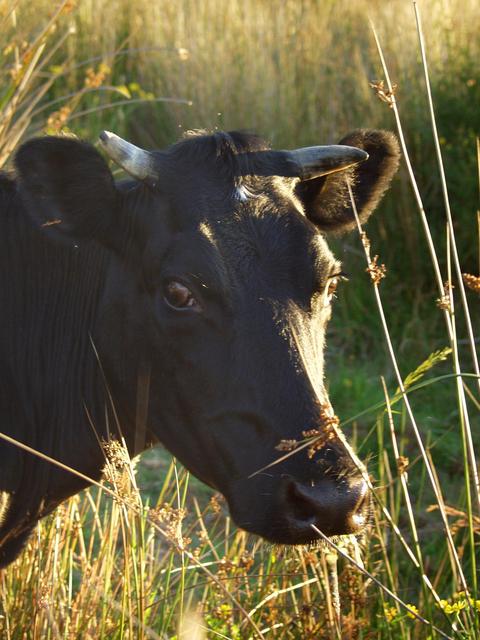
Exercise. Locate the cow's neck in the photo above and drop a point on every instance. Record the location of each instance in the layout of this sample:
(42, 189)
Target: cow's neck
(53, 396)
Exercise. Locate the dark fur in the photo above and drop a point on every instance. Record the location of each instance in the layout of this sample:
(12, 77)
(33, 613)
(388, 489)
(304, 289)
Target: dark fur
(83, 265)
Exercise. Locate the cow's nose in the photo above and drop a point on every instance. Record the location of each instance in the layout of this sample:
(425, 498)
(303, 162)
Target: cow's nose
(335, 508)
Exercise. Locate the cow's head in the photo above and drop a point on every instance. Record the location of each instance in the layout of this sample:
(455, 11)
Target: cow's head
(219, 285)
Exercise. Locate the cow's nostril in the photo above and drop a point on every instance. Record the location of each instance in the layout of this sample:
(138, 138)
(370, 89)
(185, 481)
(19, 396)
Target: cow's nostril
(300, 504)
(334, 508)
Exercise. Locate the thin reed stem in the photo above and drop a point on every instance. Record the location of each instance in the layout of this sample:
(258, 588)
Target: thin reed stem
(426, 583)
(379, 584)
(406, 400)
(466, 431)
(433, 254)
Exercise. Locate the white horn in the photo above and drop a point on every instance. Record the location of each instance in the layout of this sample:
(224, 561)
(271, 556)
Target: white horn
(137, 162)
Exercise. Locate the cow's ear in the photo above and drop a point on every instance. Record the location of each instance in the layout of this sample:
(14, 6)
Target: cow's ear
(326, 200)
(68, 189)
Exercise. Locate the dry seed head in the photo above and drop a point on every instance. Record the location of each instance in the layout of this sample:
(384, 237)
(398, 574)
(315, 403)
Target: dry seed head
(384, 92)
(117, 471)
(323, 435)
(95, 79)
(214, 503)
(170, 519)
(286, 445)
(58, 119)
(444, 301)
(472, 282)
(377, 271)
(327, 417)
(116, 454)
(317, 444)
(225, 566)
(402, 464)
(312, 433)
(462, 520)
(202, 536)
(353, 585)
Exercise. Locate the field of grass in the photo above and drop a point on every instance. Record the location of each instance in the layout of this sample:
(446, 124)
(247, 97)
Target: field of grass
(153, 554)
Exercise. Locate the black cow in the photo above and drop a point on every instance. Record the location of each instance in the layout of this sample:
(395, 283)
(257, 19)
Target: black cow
(187, 305)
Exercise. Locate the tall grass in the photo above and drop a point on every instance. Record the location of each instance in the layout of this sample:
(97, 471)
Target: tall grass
(116, 562)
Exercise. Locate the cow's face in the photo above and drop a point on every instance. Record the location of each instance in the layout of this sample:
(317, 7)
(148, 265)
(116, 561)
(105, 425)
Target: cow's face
(218, 293)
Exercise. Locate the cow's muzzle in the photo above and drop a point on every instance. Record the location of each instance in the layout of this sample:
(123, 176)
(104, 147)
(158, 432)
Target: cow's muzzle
(334, 508)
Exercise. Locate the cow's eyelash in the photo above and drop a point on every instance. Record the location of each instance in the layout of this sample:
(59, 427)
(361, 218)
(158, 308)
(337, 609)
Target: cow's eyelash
(321, 283)
(341, 275)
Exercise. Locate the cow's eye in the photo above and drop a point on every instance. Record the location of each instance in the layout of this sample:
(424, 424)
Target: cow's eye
(179, 297)
(332, 285)
(331, 288)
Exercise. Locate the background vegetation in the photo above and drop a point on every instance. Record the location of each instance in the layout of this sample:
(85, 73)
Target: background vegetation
(299, 72)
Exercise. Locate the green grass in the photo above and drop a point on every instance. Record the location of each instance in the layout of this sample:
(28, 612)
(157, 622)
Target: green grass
(147, 565)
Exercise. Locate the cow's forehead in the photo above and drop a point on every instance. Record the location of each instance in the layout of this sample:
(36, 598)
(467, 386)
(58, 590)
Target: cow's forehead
(280, 244)
(252, 224)
(265, 222)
